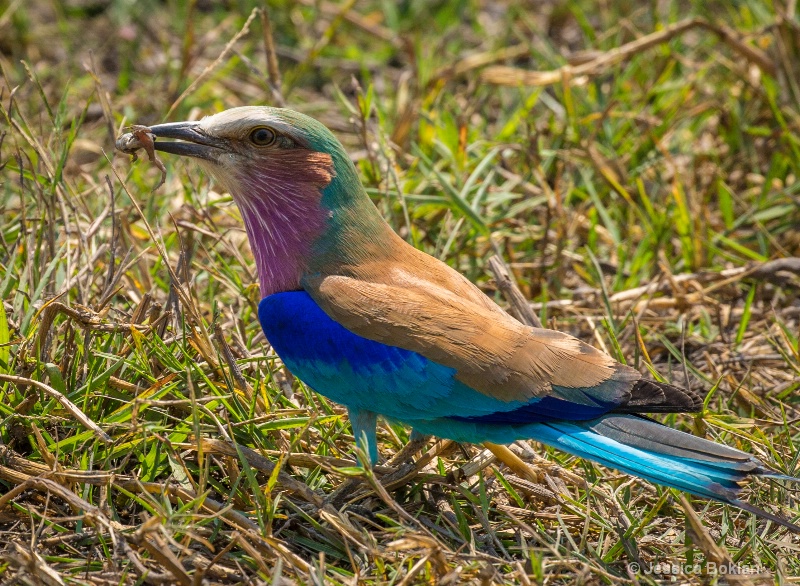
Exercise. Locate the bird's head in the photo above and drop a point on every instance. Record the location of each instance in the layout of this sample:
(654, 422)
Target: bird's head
(299, 194)
(251, 145)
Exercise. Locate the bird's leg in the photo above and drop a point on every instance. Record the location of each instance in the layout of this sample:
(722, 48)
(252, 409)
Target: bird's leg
(364, 430)
(364, 425)
(513, 461)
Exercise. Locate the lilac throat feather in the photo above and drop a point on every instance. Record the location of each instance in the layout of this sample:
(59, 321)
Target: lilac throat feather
(283, 216)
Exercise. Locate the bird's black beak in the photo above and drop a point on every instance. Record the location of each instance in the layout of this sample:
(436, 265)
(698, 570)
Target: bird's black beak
(197, 143)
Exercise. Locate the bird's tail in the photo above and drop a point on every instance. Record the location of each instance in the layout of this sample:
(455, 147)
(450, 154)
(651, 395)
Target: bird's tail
(660, 454)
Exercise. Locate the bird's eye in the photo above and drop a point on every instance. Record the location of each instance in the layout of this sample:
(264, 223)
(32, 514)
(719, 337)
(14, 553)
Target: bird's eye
(262, 136)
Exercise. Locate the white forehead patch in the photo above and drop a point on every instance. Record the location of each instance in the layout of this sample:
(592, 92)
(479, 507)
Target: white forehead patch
(239, 121)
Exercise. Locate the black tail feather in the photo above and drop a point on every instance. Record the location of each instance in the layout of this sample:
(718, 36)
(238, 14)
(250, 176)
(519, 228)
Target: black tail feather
(649, 396)
(765, 514)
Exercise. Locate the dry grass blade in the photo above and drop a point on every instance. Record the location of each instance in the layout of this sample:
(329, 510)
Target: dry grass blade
(770, 270)
(503, 75)
(73, 409)
(36, 566)
(212, 66)
(365, 23)
(273, 70)
(261, 463)
(148, 538)
(520, 306)
(514, 462)
(716, 555)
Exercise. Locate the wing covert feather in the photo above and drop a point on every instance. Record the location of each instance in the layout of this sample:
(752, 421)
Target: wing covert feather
(491, 352)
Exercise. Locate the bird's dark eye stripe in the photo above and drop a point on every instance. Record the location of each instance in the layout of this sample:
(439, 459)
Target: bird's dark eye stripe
(263, 136)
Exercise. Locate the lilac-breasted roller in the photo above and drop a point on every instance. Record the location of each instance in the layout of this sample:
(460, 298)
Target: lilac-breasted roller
(376, 325)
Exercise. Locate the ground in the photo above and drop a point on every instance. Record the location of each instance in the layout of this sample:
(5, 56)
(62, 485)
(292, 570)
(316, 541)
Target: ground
(634, 165)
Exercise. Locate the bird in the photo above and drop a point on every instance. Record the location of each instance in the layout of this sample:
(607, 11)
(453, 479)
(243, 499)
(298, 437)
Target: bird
(384, 329)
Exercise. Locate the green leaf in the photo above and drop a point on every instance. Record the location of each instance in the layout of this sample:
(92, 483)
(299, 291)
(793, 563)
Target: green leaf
(748, 310)
(5, 339)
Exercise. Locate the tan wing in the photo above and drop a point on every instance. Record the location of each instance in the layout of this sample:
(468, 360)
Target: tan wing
(490, 351)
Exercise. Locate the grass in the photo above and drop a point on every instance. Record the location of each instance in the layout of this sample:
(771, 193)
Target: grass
(646, 200)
